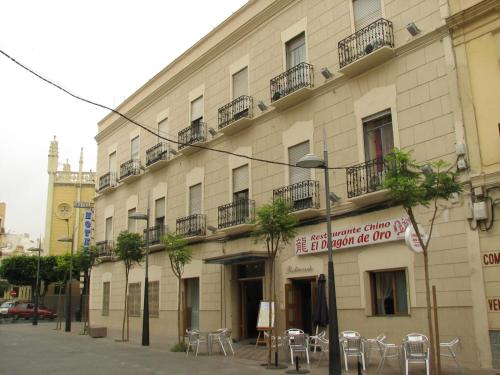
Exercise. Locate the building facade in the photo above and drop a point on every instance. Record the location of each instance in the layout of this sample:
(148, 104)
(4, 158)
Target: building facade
(65, 188)
(272, 83)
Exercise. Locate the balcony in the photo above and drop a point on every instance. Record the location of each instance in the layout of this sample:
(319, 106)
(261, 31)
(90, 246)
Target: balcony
(156, 233)
(157, 156)
(365, 182)
(104, 249)
(192, 226)
(193, 135)
(292, 86)
(367, 48)
(303, 198)
(130, 170)
(107, 182)
(236, 217)
(236, 115)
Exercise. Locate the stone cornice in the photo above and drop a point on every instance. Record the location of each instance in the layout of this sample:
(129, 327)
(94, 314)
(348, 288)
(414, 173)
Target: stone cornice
(472, 13)
(241, 32)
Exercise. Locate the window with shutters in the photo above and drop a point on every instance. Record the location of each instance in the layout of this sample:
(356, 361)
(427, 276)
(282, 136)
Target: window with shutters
(163, 129)
(296, 51)
(240, 183)
(197, 110)
(131, 223)
(160, 211)
(294, 154)
(112, 162)
(389, 293)
(195, 199)
(366, 12)
(154, 298)
(105, 298)
(240, 83)
(109, 229)
(134, 148)
(134, 299)
(378, 137)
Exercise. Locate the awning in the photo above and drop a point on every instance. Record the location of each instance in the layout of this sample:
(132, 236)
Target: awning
(238, 258)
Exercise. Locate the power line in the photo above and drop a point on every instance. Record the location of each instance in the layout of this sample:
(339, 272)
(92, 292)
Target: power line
(144, 127)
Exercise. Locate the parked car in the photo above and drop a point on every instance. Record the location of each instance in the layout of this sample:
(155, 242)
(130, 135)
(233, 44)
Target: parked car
(4, 308)
(27, 310)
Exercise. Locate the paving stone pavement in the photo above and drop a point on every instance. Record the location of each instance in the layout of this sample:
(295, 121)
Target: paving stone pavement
(34, 350)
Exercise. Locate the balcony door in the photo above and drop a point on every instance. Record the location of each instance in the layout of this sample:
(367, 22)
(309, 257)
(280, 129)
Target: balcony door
(134, 148)
(365, 12)
(109, 229)
(296, 51)
(195, 199)
(196, 119)
(300, 192)
(192, 303)
(378, 136)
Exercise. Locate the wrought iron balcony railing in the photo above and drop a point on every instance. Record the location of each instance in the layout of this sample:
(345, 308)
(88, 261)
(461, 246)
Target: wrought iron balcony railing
(156, 153)
(190, 226)
(370, 38)
(365, 177)
(241, 211)
(292, 80)
(196, 132)
(107, 180)
(104, 248)
(300, 196)
(130, 168)
(237, 109)
(156, 233)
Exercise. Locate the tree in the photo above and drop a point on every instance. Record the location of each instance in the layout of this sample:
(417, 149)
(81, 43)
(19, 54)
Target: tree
(49, 273)
(412, 184)
(84, 262)
(129, 250)
(179, 255)
(19, 270)
(275, 227)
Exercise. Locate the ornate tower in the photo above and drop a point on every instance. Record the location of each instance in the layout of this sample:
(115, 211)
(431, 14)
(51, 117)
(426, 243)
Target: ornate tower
(53, 159)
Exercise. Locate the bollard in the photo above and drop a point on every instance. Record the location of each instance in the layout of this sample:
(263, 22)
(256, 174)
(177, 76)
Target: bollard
(297, 367)
(275, 359)
(359, 368)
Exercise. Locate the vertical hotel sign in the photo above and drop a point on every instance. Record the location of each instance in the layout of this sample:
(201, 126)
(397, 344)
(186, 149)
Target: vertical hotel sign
(87, 228)
(353, 236)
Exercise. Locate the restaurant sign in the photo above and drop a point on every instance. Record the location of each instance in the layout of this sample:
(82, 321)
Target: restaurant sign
(353, 236)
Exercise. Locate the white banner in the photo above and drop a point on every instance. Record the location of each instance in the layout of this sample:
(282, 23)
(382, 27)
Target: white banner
(354, 236)
(87, 228)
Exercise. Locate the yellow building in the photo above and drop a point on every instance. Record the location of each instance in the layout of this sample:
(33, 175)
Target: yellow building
(65, 188)
(475, 29)
(2, 221)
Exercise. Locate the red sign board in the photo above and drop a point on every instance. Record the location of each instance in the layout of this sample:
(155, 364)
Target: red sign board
(494, 304)
(13, 293)
(491, 258)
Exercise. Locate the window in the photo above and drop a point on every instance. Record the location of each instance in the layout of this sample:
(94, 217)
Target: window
(296, 51)
(250, 270)
(112, 162)
(389, 292)
(109, 229)
(160, 211)
(378, 136)
(197, 110)
(366, 12)
(131, 223)
(163, 129)
(134, 148)
(105, 298)
(154, 298)
(294, 154)
(134, 299)
(195, 199)
(240, 83)
(240, 183)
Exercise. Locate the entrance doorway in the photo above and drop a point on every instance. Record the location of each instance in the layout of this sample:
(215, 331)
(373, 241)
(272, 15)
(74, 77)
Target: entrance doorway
(300, 298)
(251, 295)
(192, 303)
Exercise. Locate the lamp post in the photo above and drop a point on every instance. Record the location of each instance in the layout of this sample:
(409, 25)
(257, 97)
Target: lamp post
(145, 315)
(37, 289)
(334, 365)
(67, 327)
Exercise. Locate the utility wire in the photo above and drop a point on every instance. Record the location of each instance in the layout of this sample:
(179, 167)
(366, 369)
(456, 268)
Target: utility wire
(146, 128)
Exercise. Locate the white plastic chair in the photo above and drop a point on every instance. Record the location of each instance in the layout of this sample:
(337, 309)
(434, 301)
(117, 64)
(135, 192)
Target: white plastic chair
(217, 337)
(449, 350)
(313, 340)
(324, 346)
(387, 351)
(416, 350)
(193, 341)
(298, 343)
(373, 345)
(352, 346)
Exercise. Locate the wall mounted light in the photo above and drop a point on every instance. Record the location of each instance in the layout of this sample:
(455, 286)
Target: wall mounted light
(173, 151)
(262, 106)
(212, 131)
(212, 228)
(325, 72)
(413, 29)
(334, 198)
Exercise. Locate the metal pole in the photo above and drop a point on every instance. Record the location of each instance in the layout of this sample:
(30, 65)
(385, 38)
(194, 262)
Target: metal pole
(37, 289)
(67, 327)
(333, 328)
(145, 315)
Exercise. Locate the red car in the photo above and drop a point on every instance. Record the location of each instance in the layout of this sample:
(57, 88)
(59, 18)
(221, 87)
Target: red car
(27, 310)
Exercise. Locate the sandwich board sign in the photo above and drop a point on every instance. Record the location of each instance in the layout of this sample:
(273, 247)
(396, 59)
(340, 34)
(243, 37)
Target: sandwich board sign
(263, 317)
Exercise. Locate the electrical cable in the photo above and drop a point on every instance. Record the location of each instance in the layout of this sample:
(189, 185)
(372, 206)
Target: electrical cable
(146, 128)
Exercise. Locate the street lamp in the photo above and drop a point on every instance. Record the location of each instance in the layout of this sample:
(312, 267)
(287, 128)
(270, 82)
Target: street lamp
(145, 315)
(67, 327)
(313, 161)
(37, 289)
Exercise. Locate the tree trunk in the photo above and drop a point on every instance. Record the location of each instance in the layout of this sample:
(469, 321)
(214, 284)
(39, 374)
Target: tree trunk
(179, 322)
(275, 299)
(125, 312)
(271, 278)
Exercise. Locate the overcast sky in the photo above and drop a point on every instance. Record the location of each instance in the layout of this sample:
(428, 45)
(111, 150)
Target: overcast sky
(100, 49)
